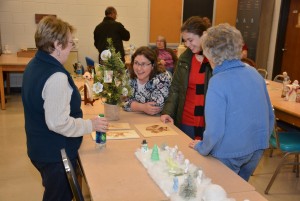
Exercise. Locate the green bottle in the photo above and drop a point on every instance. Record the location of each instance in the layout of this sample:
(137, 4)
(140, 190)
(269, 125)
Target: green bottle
(100, 137)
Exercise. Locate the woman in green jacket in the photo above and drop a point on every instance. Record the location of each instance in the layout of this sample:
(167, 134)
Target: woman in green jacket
(185, 104)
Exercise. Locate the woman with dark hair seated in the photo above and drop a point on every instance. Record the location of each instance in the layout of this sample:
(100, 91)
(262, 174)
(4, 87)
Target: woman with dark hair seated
(149, 81)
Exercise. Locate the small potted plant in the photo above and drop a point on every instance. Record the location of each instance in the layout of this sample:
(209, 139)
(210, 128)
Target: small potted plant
(111, 83)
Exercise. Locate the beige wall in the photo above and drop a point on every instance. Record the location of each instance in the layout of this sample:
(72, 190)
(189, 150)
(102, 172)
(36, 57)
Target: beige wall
(17, 21)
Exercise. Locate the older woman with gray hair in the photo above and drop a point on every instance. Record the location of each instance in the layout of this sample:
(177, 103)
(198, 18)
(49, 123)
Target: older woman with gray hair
(166, 56)
(238, 113)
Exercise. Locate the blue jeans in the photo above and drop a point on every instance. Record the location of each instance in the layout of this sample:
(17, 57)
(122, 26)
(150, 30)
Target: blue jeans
(244, 166)
(55, 180)
(192, 131)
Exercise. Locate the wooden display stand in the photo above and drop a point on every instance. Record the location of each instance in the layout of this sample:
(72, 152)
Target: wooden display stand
(85, 97)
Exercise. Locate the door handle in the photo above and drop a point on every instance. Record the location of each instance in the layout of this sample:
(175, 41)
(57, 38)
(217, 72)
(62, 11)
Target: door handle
(284, 49)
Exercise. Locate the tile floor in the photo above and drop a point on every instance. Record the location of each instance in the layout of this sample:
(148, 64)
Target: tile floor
(19, 180)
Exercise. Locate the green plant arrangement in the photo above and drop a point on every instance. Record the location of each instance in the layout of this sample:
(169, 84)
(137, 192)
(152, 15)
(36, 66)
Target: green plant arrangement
(110, 81)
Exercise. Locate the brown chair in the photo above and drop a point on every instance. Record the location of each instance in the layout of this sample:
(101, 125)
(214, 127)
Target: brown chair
(262, 72)
(248, 61)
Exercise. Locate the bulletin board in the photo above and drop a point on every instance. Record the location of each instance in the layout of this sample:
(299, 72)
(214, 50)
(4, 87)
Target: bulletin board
(165, 20)
(202, 8)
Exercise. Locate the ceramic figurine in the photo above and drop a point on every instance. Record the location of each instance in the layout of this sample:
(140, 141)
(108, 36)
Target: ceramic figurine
(78, 68)
(186, 163)
(173, 153)
(188, 189)
(155, 154)
(175, 184)
(180, 157)
(199, 177)
(285, 82)
(292, 93)
(144, 146)
(87, 76)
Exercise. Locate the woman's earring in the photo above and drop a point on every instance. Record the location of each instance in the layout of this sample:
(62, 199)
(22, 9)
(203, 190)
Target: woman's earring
(58, 53)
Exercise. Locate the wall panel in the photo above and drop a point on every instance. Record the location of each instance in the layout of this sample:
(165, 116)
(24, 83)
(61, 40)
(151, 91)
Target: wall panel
(225, 11)
(165, 19)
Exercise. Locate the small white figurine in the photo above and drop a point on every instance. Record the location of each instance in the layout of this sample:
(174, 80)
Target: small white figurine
(6, 50)
(175, 184)
(286, 78)
(199, 177)
(285, 82)
(144, 146)
(167, 148)
(176, 147)
(292, 93)
(87, 76)
(180, 157)
(132, 50)
(173, 153)
(186, 163)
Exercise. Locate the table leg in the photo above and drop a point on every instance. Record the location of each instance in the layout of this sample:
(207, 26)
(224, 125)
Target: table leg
(2, 90)
(7, 83)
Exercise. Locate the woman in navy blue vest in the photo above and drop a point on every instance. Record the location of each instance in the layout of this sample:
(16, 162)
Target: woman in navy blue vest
(53, 117)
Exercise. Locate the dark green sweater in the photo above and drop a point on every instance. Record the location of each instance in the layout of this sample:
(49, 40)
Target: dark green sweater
(177, 92)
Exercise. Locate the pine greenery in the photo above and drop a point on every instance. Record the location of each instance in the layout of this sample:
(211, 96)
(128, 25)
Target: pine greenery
(113, 92)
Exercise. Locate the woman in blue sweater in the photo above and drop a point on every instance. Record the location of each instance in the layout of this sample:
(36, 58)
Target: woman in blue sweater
(238, 113)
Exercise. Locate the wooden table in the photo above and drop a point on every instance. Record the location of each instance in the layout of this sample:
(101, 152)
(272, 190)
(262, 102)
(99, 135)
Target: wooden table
(116, 174)
(10, 63)
(250, 195)
(287, 111)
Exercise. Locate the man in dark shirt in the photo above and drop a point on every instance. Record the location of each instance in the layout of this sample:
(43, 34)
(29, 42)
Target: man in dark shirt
(109, 28)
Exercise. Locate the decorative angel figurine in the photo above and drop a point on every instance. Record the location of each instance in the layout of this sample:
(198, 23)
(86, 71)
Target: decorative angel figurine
(292, 93)
(286, 81)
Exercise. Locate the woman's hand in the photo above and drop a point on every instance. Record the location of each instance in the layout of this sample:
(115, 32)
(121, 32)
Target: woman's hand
(193, 144)
(166, 119)
(99, 124)
(150, 108)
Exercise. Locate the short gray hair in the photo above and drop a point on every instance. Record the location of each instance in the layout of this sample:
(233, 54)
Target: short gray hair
(222, 42)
